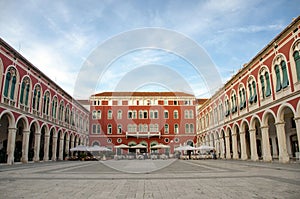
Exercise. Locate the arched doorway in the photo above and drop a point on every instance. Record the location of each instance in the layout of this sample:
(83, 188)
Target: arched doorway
(290, 132)
(51, 143)
(58, 147)
(258, 134)
(4, 123)
(65, 153)
(19, 140)
(32, 132)
(42, 143)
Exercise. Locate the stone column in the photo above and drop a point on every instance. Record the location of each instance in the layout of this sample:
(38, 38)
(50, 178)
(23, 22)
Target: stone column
(266, 144)
(243, 146)
(25, 145)
(253, 149)
(227, 142)
(274, 147)
(67, 145)
(283, 155)
(46, 147)
(297, 121)
(234, 147)
(54, 147)
(222, 150)
(37, 142)
(11, 142)
(61, 148)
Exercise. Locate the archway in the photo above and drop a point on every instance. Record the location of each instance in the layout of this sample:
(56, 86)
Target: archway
(42, 143)
(51, 143)
(58, 146)
(21, 126)
(65, 153)
(258, 134)
(4, 124)
(32, 132)
(287, 115)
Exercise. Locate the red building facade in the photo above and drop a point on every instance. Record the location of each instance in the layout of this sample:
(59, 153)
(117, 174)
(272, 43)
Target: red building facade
(147, 118)
(39, 121)
(256, 115)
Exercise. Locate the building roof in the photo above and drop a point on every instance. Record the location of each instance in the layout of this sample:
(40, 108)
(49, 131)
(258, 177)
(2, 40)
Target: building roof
(201, 101)
(142, 94)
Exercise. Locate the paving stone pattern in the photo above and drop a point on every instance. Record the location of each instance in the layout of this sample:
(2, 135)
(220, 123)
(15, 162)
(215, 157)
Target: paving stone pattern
(151, 179)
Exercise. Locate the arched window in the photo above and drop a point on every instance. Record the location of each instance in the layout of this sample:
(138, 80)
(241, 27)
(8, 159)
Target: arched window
(36, 98)
(227, 108)
(10, 83)
(268, 85)
(191, 128)
(119, 116)
(166, 128)
(176, 129)
(278, 79)
(61, 111)
(67, 115)
(242, 96)
(285, 79)
(46, 102)
(54, 107)
(191, 114)
(24, 91)
(166, 114)
(109, 129)
(297, 62)
(187, 128)
(252, 91)
(233, 102)
(109, 114)
(176, 116)
(119, 129)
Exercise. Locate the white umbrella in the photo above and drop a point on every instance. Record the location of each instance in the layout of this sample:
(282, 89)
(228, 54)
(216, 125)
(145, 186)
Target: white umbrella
(79, 148)
(139, 146)
(205, 148)
(185, 148)
(98, 148)
(122, 146)
(160, 146)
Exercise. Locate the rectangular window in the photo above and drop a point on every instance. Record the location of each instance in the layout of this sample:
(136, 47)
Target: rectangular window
(94, 129)
(98, 114)
(94, 115)
(166, 102)
(98, 129)
(109, 114)
(166, 114)
(155, 114)
(145, 114)
(129, 114)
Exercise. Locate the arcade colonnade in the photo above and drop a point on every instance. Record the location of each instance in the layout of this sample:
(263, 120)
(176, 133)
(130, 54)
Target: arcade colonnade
(256, 115)
(38, 119)
(265, 135)
(29, 139)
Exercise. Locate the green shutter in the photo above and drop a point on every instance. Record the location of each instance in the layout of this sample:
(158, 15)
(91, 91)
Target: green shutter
(13, 86)
(22, 92)
(254, 99)
(27, 94)
(297, 62)
(7, 82)
(262, 82)
(268, 89)
(278, 80)
(285, 79)
(250, 93)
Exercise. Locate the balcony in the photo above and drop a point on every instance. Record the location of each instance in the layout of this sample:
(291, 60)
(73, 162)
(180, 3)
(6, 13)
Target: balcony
(143, 134)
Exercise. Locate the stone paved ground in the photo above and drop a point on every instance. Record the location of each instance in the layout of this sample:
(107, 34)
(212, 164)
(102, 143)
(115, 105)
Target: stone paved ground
(151, 179)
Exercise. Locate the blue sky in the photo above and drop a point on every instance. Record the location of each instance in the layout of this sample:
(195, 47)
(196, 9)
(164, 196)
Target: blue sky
(62, 36)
